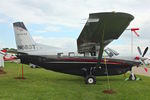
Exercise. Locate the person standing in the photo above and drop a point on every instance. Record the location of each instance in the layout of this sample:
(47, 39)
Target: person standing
(1, 60)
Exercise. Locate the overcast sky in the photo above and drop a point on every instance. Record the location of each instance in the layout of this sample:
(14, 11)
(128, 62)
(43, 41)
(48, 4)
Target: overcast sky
(59, 22)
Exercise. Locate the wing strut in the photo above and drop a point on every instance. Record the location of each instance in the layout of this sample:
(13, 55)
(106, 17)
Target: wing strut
(100, 54)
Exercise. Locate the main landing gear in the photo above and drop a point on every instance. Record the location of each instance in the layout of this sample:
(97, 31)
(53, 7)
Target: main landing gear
(90, 79)
(89, 75)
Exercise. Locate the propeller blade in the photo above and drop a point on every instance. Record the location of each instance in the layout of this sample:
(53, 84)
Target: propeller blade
(145, 51)
(139, 50)
(146, 69)
(144, 65)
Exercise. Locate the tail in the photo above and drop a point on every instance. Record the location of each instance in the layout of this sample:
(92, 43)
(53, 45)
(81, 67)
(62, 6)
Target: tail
(26, 44)
(24, 41)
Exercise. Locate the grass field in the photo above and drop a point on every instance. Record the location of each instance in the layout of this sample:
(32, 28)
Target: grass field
(48, 85)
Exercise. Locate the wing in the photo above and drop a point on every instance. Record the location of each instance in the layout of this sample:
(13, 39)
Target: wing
(102, 26)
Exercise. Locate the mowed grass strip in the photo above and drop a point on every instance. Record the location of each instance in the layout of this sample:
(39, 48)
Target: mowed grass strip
(41, 84)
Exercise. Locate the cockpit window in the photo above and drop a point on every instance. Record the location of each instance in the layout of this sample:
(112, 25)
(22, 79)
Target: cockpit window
(111, 52)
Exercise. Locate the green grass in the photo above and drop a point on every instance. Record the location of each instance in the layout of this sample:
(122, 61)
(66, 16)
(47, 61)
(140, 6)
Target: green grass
(48, 85)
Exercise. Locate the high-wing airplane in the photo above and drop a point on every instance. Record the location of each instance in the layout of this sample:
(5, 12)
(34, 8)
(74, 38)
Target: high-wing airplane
(99, 30)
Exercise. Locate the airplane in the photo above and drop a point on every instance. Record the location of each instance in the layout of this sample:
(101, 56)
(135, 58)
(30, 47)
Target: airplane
(8, 56)
(100, 30)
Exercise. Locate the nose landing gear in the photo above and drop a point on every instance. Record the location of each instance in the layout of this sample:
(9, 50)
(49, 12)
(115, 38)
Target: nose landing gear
(132, 77)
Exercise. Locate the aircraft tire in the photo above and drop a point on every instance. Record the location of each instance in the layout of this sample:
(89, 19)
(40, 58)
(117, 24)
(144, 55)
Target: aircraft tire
(132, 77)
(90, 79)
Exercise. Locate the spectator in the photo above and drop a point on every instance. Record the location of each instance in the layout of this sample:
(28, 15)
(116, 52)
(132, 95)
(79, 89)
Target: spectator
(1, 60)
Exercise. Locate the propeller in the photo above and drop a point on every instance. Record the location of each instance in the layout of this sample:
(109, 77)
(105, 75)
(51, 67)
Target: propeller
(142, 58)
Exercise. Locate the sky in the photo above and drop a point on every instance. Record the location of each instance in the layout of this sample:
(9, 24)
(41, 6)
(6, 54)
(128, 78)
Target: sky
(59, 22)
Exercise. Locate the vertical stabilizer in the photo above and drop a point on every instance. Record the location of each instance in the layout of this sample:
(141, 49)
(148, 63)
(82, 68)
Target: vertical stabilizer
(24, 41)
(26, 44)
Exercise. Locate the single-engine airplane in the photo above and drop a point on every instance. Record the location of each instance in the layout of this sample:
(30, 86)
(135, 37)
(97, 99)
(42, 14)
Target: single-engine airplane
(99, 30)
